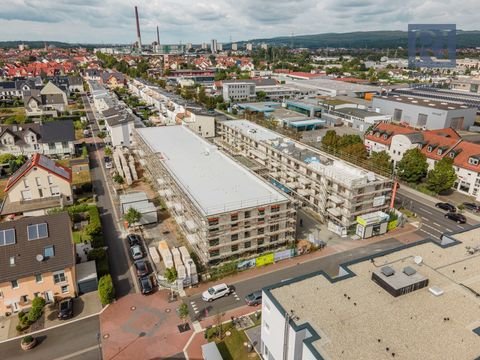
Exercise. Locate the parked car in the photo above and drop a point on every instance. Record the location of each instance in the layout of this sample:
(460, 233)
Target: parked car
(108, 162)
(146, 285)
(254, 298)
(471, 206)
(133, 239)
(142, 267)
(65, 309)
(216, 292)
(136, 252)
(458, 218)
(446, 206)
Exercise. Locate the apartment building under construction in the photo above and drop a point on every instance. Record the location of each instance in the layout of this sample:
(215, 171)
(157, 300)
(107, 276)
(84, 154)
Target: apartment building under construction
(225, 210)
(336, 190)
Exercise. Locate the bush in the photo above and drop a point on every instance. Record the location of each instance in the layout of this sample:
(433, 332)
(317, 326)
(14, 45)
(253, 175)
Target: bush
(94, 226)
(37, 309)
(106, 290)
(87, 187)
(27, 339)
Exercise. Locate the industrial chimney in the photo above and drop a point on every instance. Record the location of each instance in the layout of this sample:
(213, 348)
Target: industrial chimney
(139, 37)
(158, 40)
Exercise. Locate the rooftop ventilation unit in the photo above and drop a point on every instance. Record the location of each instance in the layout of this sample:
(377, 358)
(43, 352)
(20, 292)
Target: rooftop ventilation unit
(409, 271)
(387, 271)
(435, 290)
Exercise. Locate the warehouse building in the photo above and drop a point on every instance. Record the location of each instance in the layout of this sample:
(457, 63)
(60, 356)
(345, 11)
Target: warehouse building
(336, 190)
(417, 302)
(426, 113)
(225, 210)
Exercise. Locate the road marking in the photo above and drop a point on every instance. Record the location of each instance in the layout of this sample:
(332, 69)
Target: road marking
(426, 232)
(449, 230)
(461, 227)
(285, 280)
(80, 352)
(424, 218)
(428, 212)
(436, 224)
(433, 228)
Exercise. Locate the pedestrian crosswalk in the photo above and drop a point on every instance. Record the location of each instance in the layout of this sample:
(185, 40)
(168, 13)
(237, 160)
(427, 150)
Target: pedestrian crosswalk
(236, 296)
(194, 307)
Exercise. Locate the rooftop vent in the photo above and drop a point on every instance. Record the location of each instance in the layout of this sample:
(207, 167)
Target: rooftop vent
(409, 271)
(387, 271)
(435, 290)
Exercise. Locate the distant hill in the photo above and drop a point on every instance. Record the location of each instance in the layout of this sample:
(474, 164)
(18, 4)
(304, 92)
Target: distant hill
(41, 44)
(361, 39)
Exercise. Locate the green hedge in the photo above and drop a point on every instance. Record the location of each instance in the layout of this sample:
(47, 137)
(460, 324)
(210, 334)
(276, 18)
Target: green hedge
(106, 290)
(101, 260)
(36, 310)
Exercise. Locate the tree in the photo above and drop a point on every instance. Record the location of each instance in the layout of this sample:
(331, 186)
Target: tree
(261, 95)
(442, 177)
(106, 291)
(132, 216)
(355, 151)
(413, 166)
(381, 160)
(118, 179)
(37, 309)
(171, 276)
(183, 312)
(330, 140)
(108, 151)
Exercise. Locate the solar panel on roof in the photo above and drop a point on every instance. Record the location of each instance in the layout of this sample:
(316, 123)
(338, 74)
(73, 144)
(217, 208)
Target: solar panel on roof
(52, 166)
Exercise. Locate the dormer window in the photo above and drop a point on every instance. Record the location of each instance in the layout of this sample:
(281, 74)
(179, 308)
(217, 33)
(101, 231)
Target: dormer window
(452, 154)
(377, 134)
(430, 148)
(473, 161)
(385, 136)
(440, 151)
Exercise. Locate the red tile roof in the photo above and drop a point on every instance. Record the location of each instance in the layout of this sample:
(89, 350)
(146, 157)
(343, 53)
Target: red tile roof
(44, 162)
(390, 129)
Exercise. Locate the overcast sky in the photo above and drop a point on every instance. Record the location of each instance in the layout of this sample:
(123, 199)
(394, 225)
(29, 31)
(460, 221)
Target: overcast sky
(196, 21)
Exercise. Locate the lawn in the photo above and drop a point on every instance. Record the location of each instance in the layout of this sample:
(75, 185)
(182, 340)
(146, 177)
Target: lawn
(81, 177)
(3, 183)
(232, 347)
(79, 237)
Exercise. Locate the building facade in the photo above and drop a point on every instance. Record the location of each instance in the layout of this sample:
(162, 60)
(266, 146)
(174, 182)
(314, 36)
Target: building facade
(426, 113)
(38, 185)
(239, 91)
(337, 191)
(37, 259)
(224, 210)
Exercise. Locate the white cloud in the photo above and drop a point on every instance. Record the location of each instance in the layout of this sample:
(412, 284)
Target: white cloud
(103, 21)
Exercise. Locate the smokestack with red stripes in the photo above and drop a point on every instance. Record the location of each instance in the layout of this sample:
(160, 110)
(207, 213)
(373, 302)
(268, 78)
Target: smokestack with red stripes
(139, 37)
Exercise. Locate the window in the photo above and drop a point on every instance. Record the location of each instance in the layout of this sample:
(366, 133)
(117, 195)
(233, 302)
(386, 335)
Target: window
(273, 238)
(38, 278)
(59, 277)
(422, 119)
(247, 244)
(429, 148)
(261, 212)
(260, 241)
(48, 252)
(50, 179)
(234, 248)
(36, 294)
(37, 231)
(214, 242)
(12, 260)
(261, 220)
(40, 193)
(397, 114)
(7, 237)
(235, 225)
(55, 190)
(24, 299)
(38, 181)
(452, 154)
(64, 289)
(247, 214)
(214, 253)
(275, 208)
(14, 284)
(261, 231)
(212, 221)
(274, 228)
(234, 217)
(25, 183)
(234, 237)
(26, 195)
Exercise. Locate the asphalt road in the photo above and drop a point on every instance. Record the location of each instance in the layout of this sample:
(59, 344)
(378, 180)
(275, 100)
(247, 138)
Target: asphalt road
(432, 221)
(75, 341)
(119, 261)
(328, 264)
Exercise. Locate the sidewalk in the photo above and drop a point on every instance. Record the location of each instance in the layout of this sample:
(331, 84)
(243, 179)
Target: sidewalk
(348, 244)
(456, 198)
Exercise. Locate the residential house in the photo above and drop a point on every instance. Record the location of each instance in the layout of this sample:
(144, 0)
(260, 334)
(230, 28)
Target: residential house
(15, 89)
(241, 90)
(435, 145)
(50, 138)
(51, 100)
(113, 79)
(93, 74)
(38, 185)
(37, 259)
(120, 129)
(200, 122)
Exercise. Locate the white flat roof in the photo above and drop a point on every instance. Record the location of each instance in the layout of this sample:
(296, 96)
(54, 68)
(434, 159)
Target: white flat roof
(213, 181)
(254, 131)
